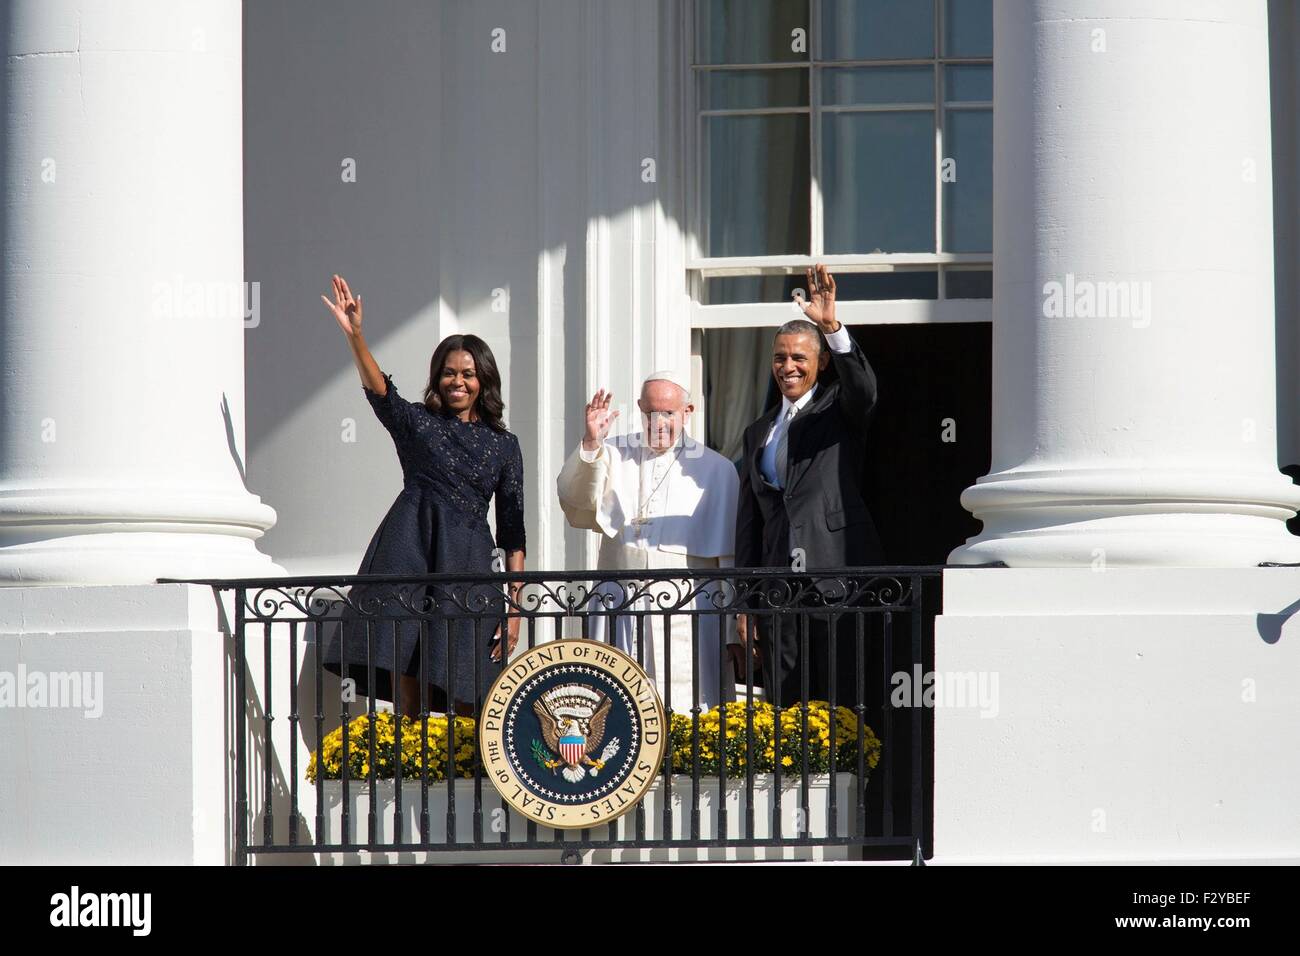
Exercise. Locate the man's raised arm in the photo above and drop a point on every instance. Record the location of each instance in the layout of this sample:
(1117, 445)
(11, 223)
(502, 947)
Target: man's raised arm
(857, 394)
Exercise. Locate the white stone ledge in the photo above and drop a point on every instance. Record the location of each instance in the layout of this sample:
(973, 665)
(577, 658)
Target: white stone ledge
(1022, 592)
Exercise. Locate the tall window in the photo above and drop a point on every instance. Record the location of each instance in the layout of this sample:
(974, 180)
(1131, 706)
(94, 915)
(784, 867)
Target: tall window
(855, 131)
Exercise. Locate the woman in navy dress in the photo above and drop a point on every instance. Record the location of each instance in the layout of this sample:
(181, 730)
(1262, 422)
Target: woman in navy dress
(456, 455)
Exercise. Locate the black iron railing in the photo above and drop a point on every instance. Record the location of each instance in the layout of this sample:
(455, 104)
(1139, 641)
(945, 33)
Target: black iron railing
(881, 618)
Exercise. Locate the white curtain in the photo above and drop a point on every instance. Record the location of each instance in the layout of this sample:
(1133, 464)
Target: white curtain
(737, 370)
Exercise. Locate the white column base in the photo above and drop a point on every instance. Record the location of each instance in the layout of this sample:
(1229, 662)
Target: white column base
(130, 536)
(1151, 517)
(1142, 715)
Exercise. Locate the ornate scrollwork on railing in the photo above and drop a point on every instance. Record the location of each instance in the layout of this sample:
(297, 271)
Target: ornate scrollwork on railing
(315, 601)
(700, 591)
(827, 592)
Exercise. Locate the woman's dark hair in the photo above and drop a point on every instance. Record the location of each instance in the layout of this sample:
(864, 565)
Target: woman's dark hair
(488, 405)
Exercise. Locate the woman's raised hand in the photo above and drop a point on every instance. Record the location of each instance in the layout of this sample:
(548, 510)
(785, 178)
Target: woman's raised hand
(346, 309)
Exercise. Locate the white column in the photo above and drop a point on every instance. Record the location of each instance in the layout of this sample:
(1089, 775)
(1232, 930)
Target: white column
(1133, 365)
(121, 296)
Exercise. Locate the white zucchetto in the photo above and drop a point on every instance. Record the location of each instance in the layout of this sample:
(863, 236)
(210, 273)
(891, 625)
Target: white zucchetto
(668, 375)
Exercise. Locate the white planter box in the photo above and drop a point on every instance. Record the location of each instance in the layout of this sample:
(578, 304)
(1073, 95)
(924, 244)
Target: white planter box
(794, 823)
(497, 818)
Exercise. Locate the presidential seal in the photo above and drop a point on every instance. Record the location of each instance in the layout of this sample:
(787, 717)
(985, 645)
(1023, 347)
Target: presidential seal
(572, 734)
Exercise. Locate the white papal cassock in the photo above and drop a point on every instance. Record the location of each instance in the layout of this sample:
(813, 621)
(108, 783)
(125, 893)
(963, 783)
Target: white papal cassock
(676, 509)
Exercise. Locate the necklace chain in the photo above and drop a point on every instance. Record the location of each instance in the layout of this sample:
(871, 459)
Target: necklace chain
(643, 503)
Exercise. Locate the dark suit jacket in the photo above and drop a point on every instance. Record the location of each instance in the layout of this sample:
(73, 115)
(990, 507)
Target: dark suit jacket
(821, 508)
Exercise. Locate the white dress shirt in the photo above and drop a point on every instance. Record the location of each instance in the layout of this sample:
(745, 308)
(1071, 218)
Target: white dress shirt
(839, 341)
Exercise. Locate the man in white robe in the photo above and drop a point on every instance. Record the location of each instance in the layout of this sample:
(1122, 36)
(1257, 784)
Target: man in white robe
(659, 499)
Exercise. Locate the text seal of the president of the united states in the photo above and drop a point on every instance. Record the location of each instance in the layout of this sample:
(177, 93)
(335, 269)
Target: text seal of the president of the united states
(572, 733)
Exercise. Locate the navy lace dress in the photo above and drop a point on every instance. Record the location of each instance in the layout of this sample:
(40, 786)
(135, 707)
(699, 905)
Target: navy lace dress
(451, 469)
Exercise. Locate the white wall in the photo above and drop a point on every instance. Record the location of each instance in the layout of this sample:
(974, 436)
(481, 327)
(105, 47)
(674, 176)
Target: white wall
(1142, 714)
(477, 171)
(131, 767)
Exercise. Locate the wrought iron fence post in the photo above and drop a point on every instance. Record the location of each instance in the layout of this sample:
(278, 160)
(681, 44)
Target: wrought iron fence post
(241, 749)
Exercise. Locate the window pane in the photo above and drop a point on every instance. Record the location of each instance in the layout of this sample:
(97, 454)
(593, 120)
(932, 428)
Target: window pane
(878, 182)
(849, 287)
(962, 284)
(751, 31)
(758, 185)
(876, 286)
(877, 29)
(878, 84)
(746, 290)
(968, 200)
(749, 89)
(968, 28)
(968, 83)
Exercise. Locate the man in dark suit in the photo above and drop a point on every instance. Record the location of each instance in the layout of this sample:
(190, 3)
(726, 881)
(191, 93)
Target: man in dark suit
(801, 488)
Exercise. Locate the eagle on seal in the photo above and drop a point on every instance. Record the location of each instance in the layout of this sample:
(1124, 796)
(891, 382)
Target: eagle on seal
(573, 725)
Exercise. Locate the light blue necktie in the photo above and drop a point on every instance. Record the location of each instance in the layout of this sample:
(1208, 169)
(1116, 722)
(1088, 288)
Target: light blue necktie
(776, 454)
